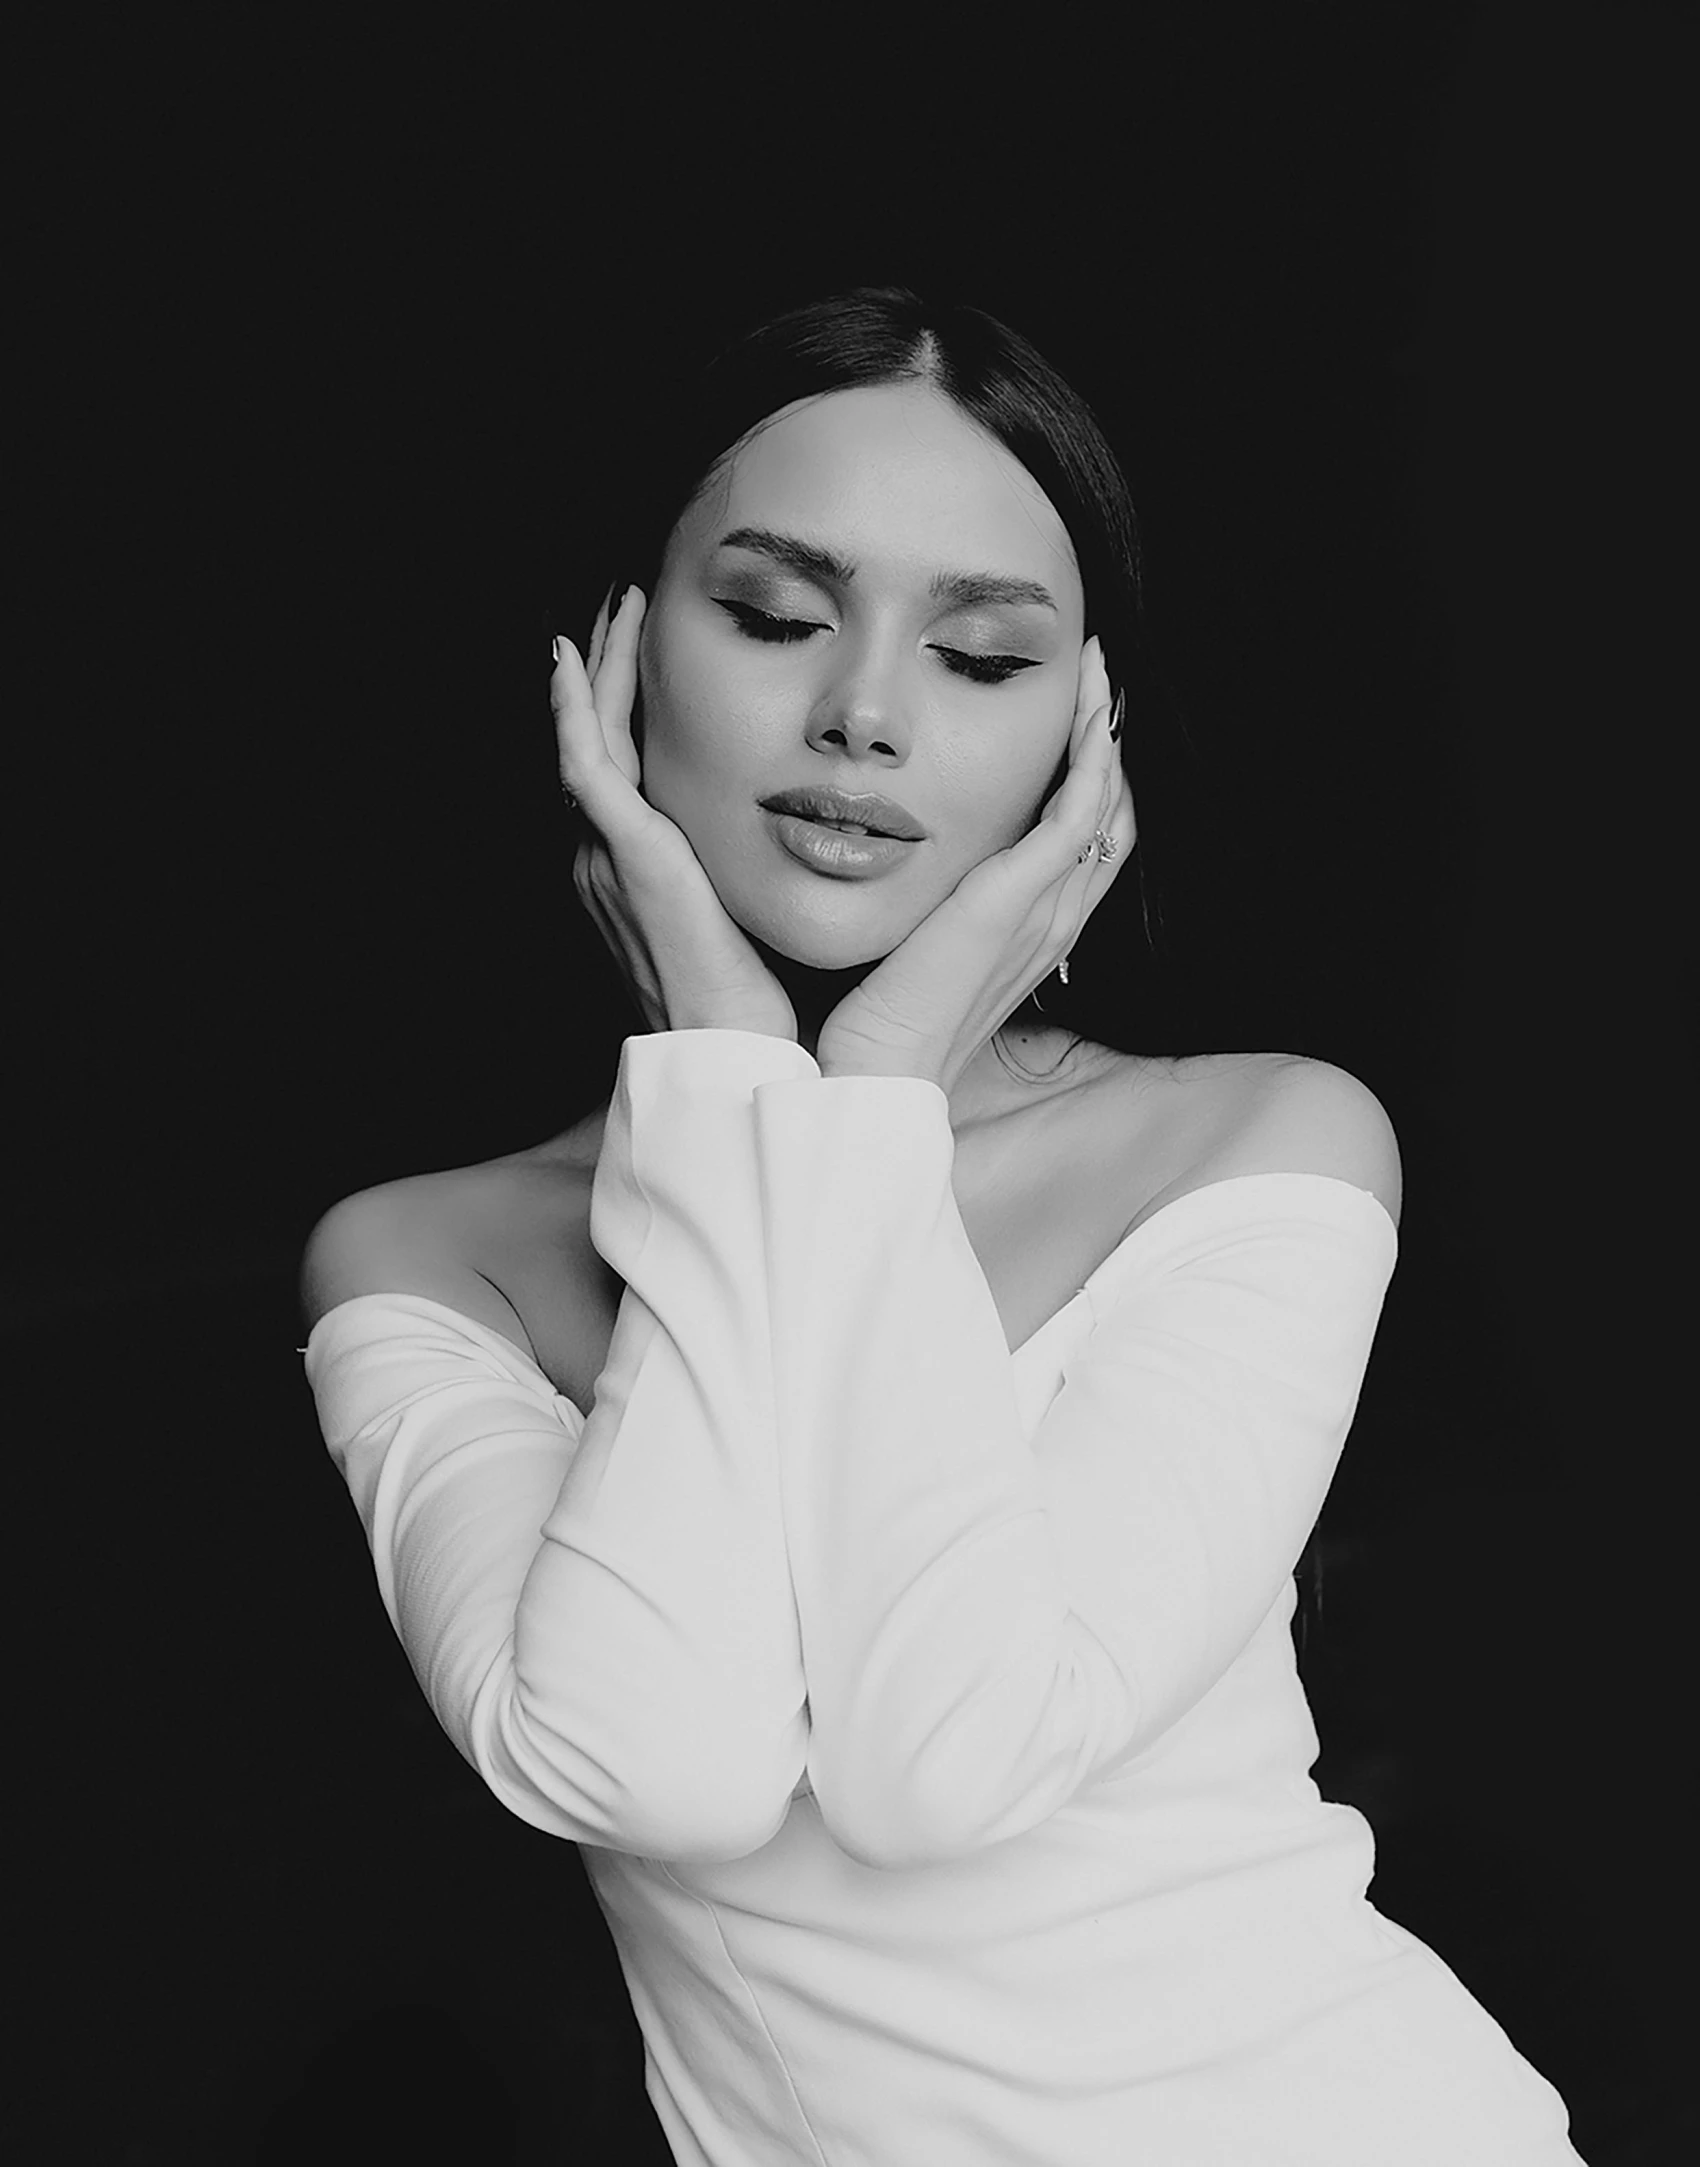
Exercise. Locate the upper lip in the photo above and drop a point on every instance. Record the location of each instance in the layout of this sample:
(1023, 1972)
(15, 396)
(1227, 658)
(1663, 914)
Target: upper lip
(880, 816)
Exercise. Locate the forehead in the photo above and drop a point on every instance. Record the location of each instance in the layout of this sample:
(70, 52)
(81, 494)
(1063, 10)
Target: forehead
(898, 479)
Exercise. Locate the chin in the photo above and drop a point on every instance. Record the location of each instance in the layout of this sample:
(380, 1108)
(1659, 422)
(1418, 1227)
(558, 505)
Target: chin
(822, 950)
(825, 925)
(834, 943)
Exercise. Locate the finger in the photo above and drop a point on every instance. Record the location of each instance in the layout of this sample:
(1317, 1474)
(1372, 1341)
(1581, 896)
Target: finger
(1052, 849)
(1082, 798)
(1114, 773)
(1102, 759)
(598, 766)
(1097, 767)
(579, 745)
(1095, 689)
(1117, 820)
(616, 680)
(598, 637)
(1101, 872)
(1091, 689)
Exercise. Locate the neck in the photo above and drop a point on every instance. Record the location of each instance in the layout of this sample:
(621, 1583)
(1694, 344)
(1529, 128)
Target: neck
(984, 1086)
(813, 994)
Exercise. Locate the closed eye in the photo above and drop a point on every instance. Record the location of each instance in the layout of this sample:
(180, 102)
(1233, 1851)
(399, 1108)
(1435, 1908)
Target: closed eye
(756, 624)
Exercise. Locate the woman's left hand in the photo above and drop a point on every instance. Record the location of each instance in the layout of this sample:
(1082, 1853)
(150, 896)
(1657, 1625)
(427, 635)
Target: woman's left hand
(930, 1005)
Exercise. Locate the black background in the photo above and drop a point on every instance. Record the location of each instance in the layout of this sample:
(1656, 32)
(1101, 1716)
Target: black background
(331, 332)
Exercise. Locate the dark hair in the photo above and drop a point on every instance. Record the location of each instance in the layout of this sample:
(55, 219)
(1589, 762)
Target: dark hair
(888, 334)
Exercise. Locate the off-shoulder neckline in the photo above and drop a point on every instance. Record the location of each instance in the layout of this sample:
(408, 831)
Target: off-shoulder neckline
(1129, 1243)
(1123, 1248)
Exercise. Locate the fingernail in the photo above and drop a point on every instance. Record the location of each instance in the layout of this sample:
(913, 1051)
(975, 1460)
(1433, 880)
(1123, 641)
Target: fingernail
(555, 647)
(616, 595)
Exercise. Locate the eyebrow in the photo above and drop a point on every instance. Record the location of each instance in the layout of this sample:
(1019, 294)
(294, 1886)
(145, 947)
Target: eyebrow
(962, 590)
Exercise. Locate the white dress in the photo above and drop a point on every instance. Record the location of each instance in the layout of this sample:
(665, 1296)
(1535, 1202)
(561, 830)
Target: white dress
(929, 1716)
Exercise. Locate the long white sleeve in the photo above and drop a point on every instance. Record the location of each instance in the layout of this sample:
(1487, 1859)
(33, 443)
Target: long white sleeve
(805, 1523)
(599, 1609)
(989, 1621)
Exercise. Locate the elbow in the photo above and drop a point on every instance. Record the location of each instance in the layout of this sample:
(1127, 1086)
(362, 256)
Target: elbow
(889, 1821)
(890, 1842)
(687, 1835)
(699, 1809)
(1002, 1768)
(708, 1809)
(884, 1850)
(703, 1823)
(637, 1829)
(635, 1821)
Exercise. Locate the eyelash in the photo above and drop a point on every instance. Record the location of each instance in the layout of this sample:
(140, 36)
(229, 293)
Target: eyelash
(979, 669)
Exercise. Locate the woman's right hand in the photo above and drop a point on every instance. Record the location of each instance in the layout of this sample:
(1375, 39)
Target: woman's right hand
(689, 967)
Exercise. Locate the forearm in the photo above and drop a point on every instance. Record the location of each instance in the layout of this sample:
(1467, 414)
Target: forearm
(990, 1618)
(666, 1549)
(599, 1609)
(954, 1697)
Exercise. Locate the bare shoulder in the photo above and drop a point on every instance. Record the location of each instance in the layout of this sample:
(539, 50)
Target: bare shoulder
(1214, 1117)
(424, 1234)
(1303, 1116)
(479, 1239)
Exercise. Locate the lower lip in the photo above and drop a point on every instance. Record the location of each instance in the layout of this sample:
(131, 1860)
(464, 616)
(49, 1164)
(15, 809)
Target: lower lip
(828, 850)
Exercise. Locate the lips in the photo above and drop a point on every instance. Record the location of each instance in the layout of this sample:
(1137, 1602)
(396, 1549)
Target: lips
(868, 811)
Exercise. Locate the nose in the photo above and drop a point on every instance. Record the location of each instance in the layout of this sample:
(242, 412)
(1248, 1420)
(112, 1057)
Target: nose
(864, 713)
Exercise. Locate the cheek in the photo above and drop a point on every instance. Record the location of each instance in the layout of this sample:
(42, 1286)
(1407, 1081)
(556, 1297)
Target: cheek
(669, 694)
(697, 754)
(997, 818)
(1036, 795)
(704, 718)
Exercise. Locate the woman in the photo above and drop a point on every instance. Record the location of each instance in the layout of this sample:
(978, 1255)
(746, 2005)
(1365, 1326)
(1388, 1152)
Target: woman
(851, 1482)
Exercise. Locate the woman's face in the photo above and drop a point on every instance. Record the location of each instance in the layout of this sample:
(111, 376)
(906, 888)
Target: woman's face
(883, 686)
